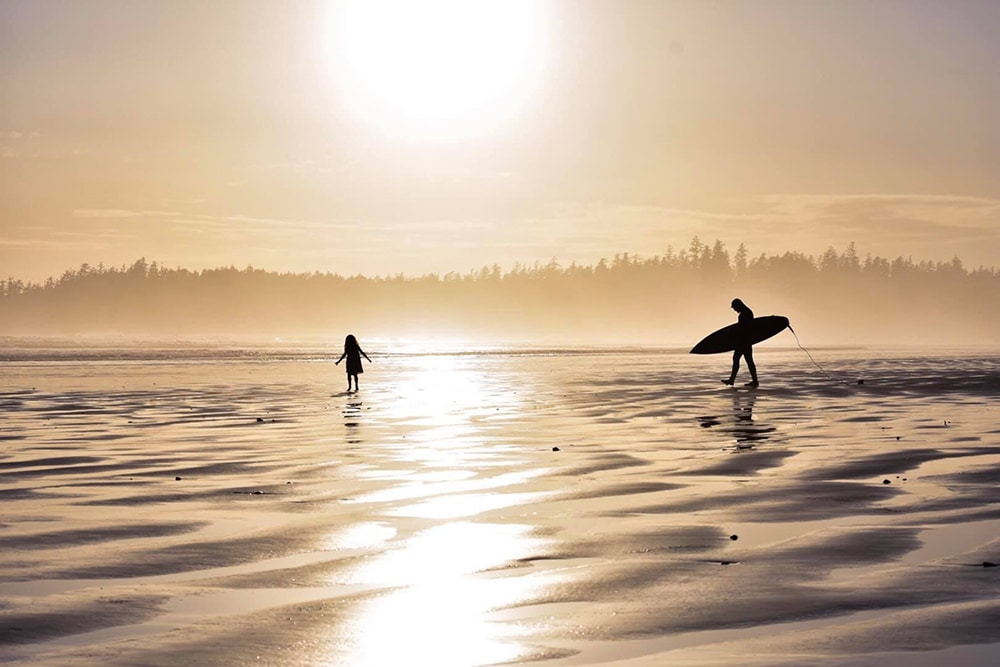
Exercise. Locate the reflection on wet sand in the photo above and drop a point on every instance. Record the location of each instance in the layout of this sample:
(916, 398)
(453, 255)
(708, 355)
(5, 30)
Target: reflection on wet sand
(352, 414)
(739, 423)
(437, 605)
(436, 594)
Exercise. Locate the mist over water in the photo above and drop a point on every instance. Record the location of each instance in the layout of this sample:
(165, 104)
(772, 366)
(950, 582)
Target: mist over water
(671, 300)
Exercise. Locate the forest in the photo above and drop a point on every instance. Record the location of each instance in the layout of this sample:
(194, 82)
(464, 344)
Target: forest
(836, 298)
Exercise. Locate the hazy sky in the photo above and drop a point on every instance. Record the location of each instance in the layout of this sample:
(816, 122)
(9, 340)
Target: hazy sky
(378, 139)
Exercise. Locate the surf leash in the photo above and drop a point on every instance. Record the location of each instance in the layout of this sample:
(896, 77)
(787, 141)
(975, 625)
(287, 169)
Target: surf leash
(823, 370)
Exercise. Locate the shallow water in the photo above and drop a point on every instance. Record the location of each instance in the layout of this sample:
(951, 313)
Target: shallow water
(499, 504)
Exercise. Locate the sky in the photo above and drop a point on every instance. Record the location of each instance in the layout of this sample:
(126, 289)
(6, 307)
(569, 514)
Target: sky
(382, 137)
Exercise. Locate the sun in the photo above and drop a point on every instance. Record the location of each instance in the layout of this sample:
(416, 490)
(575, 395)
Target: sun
(437, 68)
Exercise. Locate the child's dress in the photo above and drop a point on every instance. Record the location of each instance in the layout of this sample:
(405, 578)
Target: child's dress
(354, 362)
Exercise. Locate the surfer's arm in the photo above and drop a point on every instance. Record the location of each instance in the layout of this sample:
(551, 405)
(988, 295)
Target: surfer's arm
(341, 359)
(363, 354)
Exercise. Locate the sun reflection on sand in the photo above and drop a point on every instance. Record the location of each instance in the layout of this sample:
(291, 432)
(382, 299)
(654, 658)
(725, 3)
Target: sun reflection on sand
(360, 536)
(450, 407)
(441, 389)
(441, 608)
(464, 505)
(465, 485)
(434, 590)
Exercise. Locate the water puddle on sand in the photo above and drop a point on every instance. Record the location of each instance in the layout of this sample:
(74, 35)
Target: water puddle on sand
(938, 543)
(659, 650)
(955, 465)
(187, 610)
(611, 651)
(975, 655)
(42, 587)
(754, 535)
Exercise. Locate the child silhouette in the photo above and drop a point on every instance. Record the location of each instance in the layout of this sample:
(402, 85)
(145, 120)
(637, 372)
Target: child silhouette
(353, 352)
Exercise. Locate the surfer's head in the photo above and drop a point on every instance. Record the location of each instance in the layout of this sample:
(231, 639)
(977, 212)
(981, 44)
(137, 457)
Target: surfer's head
(738, 305)
(351, 343)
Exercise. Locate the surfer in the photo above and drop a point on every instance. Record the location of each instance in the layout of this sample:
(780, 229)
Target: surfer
(744, 348)
(353, 352)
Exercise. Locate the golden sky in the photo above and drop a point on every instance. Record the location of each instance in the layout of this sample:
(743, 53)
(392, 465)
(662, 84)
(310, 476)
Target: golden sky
(382, 137)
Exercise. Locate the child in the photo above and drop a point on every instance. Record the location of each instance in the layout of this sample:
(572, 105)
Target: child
(353, 352)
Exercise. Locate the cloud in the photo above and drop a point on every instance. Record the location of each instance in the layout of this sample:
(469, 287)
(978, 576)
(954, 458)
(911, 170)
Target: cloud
(932, 227)
(109, 213)
(896, 218)
(64, 241)
(11, 143)
(935, 227)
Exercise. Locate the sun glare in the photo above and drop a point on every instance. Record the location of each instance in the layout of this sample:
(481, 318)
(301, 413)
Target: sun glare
(437, 68)
(442, 601)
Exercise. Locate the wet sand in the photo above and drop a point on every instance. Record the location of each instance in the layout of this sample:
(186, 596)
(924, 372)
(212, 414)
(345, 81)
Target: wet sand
(568, 507)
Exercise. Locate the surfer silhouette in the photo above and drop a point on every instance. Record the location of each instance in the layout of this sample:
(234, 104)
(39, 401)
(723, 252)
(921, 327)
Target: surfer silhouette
(744, 347)
(353, 352)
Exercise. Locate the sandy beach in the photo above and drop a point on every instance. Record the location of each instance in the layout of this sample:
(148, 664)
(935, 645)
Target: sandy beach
(502, 506)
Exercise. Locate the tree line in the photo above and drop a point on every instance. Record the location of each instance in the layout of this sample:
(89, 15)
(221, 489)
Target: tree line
(837, 297)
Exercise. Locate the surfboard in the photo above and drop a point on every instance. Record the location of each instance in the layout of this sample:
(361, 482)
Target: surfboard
(727, 338)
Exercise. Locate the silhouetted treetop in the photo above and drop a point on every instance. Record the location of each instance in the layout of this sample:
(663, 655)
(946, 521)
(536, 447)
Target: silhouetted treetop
(663, 297)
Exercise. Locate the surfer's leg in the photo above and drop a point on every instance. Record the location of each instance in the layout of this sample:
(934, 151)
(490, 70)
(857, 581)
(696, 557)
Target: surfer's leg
(736, 368)
(748, 355)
